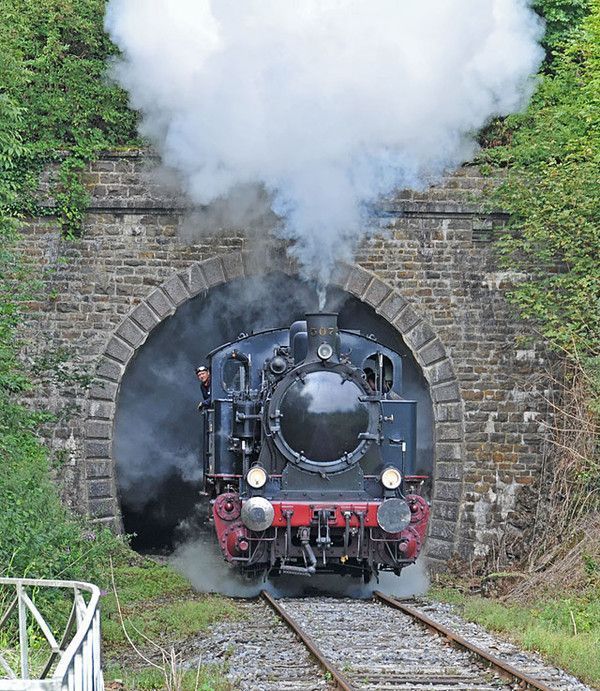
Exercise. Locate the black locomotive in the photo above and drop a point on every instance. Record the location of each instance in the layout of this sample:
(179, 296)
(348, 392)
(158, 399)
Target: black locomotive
(309, 453)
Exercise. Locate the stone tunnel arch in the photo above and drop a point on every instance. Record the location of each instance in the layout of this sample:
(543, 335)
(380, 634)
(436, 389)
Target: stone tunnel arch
(427, 349)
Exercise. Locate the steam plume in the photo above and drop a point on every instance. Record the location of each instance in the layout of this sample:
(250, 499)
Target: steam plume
(327, 104)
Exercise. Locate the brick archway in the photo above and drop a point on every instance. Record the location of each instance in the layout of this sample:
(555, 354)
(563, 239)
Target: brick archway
(386, 300)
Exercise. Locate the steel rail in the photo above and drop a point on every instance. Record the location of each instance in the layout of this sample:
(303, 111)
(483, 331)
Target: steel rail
(337, 676)
(503, 668)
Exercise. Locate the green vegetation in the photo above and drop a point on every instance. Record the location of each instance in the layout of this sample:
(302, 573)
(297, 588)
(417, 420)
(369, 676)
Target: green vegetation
(53, 97)
(206, 678)
(39, 539)
(53, 57)
(553, 161)
(551, 157)
(565, 631)
(158, 603)
(147, 628)
(159, 613)
(562, 18)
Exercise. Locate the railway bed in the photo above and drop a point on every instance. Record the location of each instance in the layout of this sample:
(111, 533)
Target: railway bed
(385, 644)
(321, 643)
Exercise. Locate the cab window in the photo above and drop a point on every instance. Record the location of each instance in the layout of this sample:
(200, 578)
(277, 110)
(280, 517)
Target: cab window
(234, 375)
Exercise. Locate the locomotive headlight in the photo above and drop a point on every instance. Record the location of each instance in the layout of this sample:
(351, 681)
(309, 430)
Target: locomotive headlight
(391, 478)
(257, 477)
(257, 513)
(324, 351)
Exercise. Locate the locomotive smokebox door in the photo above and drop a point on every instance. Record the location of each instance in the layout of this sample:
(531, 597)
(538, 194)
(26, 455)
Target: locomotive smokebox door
(399, 434)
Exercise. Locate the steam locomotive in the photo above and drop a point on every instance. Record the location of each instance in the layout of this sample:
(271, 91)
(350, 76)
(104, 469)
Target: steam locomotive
(309, 453)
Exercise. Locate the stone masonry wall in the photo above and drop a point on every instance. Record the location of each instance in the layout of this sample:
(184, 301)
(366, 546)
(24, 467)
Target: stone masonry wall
(431, 272)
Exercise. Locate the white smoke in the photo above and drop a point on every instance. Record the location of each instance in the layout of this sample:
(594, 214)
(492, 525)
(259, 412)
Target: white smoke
(326, 103)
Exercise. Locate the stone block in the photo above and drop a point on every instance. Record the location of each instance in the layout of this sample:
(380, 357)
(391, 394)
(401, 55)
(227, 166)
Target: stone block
(358, 281)
(98, 469)
(448, 471)
(213, 272)
(96, 429)
(448, 451)
(176, 290)
(432, 564)
(194, 280)
(447, 511)
(254, 262)
(442, 530)
(447, 491)
(432, 352)
(102, 410)
(418, 336)
(376, 292)
(437, 548)
(445, 392)
(119, 350)
(104, 390)
(104, 166)
(144, 317)
(391, 306)
(340, 274)
(159, 302)
(448, 431)
(110, 369)
(99, 489)
(101, 508)
(131, 333)
(112, 523)
(96, 448)
(406, 320)
(233, 265)
(440, 372)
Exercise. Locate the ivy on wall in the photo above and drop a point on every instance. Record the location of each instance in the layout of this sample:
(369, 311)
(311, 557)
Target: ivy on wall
(53, 63)
(551, 156)
(552, 192)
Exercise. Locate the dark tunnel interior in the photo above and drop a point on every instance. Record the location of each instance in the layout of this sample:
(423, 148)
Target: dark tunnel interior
(157, 427)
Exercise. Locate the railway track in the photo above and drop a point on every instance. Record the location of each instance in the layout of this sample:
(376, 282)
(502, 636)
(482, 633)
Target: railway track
(385, 643)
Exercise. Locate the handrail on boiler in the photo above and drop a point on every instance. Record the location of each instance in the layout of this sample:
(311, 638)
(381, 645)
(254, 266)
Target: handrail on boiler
(79, 664)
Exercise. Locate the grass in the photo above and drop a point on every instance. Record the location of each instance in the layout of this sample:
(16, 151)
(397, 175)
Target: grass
(565, 631)
(159, 609)
(208, 678)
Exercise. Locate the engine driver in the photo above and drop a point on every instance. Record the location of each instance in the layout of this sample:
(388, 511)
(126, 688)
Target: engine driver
(203, 375)
(388, 392)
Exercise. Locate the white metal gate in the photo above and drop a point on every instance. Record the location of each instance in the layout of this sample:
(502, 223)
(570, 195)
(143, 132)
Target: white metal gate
(78, 651)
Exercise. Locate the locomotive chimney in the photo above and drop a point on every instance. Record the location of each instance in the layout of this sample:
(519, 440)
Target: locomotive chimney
(323, 336)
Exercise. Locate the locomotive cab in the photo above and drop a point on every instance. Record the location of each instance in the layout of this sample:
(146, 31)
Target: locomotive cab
(310, 451)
